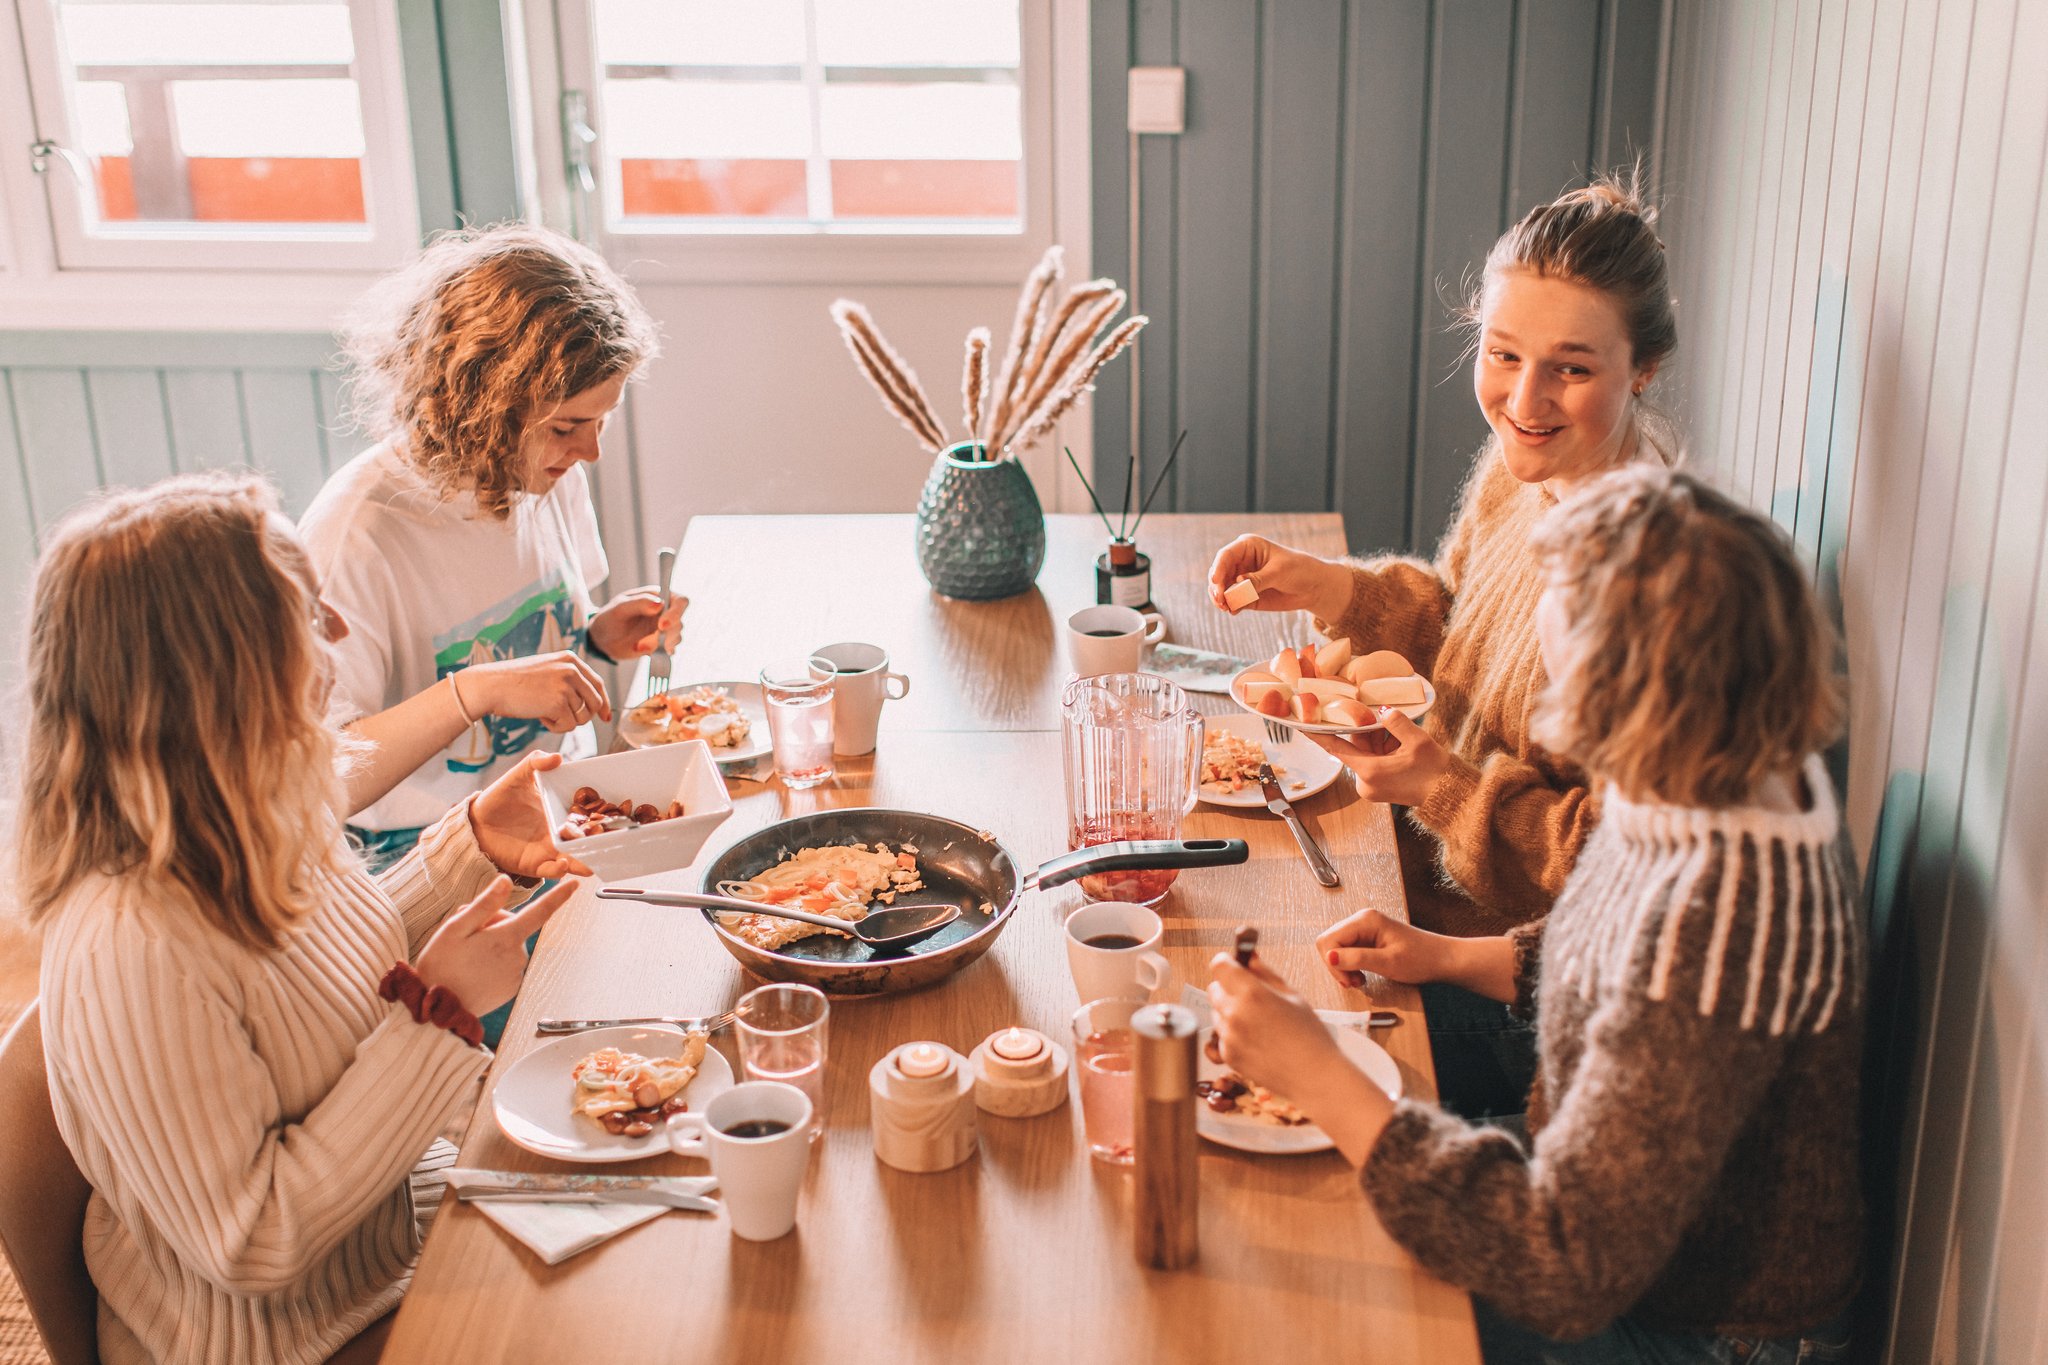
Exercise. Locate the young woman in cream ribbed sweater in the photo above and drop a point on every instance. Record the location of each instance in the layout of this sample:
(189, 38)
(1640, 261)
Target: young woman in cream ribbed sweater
(1688, 1191)
(250, 1043)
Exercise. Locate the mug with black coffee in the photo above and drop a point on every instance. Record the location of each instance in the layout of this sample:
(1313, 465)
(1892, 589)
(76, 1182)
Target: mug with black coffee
(1111, 639)
(1113, 951)
(757, 1139)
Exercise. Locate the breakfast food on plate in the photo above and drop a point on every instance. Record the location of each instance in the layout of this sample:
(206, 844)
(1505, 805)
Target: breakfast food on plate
(590, 813)
(837, 880)
(1231, 1093)
(1327, 686)
(628, 1093)
(1240, 595)
(1231, 762)
(706, 713)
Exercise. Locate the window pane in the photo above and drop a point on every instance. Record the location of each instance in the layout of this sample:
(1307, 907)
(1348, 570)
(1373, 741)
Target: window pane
(917, 32)
(937, 121)
(220, 113)
(699, 32)
(656, 118)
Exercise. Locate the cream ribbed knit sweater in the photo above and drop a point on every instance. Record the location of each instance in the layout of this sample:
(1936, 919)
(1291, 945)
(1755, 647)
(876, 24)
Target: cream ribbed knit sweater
(1492, 844)
(1692, 1135)
(248, 1119)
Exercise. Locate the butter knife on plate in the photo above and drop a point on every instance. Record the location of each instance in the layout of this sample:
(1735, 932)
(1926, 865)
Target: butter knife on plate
(1318, 861)
(527, 1187)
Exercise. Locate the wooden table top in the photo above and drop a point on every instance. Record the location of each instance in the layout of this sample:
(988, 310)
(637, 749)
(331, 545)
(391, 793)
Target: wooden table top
(1024, 1252)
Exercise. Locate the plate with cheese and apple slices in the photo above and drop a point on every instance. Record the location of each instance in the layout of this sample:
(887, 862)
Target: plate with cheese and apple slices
(1323, 690)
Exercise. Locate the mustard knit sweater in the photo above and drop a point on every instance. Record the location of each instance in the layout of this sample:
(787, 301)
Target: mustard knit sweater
(1492, 844)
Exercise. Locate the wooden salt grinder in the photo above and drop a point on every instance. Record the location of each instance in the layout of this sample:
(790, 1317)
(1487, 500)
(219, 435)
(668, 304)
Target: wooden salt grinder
(1166, 1211)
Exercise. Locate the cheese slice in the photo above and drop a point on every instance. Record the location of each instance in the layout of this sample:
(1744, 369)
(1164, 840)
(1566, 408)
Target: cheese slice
(1392, 691)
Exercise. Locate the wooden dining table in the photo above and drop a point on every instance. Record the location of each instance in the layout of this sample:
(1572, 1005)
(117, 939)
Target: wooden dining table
(1024, 1252)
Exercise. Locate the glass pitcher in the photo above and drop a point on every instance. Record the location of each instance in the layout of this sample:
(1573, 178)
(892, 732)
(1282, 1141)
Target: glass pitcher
(1133, 752)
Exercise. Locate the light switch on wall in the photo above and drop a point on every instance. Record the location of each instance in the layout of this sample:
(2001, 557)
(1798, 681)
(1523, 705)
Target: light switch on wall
(1157, 99)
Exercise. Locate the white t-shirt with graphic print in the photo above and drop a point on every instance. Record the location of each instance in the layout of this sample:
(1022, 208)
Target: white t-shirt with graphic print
(429, 585)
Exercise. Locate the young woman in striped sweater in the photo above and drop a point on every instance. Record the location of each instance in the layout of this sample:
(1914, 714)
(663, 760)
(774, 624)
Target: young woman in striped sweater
(251, 1044)
(1689, 1188)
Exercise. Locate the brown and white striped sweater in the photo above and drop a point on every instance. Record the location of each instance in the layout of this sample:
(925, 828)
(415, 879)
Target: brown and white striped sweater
(248, 1120)
(1698, 993)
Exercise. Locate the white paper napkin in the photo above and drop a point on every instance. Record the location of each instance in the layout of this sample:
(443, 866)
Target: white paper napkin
(555, 1232)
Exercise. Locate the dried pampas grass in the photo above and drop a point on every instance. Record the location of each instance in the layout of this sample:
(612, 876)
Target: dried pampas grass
(1052, 360)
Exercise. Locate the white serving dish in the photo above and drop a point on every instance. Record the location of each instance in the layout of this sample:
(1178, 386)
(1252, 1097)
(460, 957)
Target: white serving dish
(684, 772)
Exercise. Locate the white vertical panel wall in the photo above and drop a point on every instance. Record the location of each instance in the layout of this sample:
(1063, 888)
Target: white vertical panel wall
(1855, 207)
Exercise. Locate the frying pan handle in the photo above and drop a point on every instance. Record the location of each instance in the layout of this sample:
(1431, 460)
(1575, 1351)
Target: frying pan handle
(1142, 854)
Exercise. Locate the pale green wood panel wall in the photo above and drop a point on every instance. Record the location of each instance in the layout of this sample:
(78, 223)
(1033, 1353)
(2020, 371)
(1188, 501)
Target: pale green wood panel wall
(1860, 235)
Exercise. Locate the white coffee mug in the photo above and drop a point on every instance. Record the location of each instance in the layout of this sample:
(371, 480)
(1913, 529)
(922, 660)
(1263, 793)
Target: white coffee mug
(1111, 639)
(759, 1177)
(1130, 967)
(864, 683)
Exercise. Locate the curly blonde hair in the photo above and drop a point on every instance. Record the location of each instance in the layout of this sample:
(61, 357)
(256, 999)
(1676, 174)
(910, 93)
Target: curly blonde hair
(459, 355)
(175, 729)
(1697, 662)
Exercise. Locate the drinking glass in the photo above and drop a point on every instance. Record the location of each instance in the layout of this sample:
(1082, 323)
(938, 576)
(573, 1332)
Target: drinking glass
(1103, 1059)
(1132, 745)
(798, 693)
(782, 1038)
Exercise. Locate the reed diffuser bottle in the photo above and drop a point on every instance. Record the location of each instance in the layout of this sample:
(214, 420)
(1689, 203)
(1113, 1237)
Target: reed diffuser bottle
(1123, 576)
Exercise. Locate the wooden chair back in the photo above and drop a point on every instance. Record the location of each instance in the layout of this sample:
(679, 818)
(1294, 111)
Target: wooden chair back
(42, 1202)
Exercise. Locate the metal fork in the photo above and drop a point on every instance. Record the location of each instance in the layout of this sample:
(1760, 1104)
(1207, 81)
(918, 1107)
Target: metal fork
(709, 1023)
(659, 663)
(1277, 732)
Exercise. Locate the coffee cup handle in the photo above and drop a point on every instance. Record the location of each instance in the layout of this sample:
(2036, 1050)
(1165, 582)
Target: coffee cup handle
(686, 1135)
(1153, 970)
(890, 688)
(1155, 627)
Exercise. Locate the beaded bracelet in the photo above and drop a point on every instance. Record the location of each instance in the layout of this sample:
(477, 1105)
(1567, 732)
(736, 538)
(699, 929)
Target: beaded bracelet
(434, 1005)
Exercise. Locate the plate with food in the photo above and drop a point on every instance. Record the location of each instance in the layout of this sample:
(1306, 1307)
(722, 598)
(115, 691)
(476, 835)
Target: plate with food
(607, 1095)
(730, 717)
(1323, 690)
(1234, 1112)
(1234, 746)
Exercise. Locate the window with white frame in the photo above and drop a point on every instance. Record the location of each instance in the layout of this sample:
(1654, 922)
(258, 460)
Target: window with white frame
(257, 133)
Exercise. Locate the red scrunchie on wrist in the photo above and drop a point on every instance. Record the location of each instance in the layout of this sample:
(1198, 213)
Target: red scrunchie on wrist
(434, 1005)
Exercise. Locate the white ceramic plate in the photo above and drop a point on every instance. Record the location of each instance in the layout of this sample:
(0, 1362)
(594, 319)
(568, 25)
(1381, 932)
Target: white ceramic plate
(641, 735)
(1414, 712)
(1268, 1139)
(1305, 767)
(531, 1101)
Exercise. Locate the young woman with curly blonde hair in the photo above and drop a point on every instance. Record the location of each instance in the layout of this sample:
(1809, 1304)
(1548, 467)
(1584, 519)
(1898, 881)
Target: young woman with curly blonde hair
(463, 545)
(1572, 320)
(251, 1043)
(1689, 1189)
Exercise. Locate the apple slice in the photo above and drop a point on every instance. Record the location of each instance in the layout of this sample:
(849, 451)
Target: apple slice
(1332, 657)
(1340, 711)
(1307, 707)
(1240, 595)
(1392, 691)
(1330, 688)
(1253, 690)
(1286, 666)
(1381, 663)
(1274, 703)
(1307, 655)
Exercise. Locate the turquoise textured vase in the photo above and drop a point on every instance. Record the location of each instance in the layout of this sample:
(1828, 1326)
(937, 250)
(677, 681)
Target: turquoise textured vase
(980, 529)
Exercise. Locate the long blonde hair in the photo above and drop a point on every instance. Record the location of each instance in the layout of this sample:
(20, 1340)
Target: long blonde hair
(459, 355)
(1697, 662)
(175, 688)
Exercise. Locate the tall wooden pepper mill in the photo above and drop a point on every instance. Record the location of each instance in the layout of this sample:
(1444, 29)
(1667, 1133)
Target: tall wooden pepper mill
(1166, 1210)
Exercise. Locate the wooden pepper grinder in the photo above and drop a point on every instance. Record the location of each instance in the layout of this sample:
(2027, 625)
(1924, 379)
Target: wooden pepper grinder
(1166, 1211)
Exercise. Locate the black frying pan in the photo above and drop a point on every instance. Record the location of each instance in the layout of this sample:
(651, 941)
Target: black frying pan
(960, 865)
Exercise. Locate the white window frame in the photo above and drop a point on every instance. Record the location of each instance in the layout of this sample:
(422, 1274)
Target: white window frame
(58, 275)
(563, 60)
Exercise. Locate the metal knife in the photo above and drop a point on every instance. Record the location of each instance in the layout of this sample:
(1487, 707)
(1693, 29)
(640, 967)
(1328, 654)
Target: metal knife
(526, 1187)
(1318, 861)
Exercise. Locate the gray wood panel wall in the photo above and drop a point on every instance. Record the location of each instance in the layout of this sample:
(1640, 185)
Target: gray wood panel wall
(1861, 241)
(81, 412)
(1346, 166)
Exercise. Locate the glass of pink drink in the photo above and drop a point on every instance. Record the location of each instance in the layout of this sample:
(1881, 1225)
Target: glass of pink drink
(1103, 1061)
